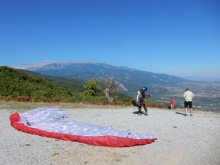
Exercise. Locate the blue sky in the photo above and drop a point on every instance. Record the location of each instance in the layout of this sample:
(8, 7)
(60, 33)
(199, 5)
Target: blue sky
(175, 37)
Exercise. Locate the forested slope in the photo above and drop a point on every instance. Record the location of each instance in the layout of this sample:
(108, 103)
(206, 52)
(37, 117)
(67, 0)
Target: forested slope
(21, 86)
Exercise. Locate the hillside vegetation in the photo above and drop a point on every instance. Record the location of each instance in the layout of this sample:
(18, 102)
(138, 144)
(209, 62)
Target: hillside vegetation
(67, 83)
(20, 85)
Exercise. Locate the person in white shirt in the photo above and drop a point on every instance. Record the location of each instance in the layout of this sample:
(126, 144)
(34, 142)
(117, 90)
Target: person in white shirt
(188, 96)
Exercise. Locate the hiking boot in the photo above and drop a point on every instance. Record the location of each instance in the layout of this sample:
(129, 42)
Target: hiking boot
(146, 114)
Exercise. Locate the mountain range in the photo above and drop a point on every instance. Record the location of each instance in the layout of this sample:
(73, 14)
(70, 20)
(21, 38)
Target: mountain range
(161, 86)
(128, 79)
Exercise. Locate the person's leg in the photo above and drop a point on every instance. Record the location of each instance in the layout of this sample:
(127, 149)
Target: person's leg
(185, 111)
(190, 106)
(145, 108)
(190, 111)
(139, 110)
(171, 106)
(186, 107)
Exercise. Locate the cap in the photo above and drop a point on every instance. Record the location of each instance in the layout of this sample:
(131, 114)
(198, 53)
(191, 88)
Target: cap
(145, 88)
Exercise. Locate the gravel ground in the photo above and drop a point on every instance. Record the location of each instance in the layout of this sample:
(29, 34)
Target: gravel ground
(181, 140)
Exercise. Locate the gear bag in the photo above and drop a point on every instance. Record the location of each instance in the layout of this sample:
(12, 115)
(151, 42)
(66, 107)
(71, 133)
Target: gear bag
(136, 101)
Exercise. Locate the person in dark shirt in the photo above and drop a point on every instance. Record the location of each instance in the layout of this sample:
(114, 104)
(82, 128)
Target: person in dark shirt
(142, 97)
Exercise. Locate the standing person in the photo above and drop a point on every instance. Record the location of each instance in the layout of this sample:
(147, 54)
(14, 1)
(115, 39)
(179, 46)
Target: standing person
(188, 96)
(172, 102)
(141, 96)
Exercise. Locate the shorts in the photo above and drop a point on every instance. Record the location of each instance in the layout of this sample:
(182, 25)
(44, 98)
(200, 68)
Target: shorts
(188, 104)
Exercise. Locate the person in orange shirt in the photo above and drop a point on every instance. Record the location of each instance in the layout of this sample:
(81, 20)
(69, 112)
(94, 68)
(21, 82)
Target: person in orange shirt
(172, 102)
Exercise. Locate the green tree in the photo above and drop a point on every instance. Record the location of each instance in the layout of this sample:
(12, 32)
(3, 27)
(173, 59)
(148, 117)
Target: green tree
(100, 88)
(92, 88)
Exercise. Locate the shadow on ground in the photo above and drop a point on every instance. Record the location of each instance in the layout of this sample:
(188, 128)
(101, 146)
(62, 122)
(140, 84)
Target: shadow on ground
(141, 113)
(179, 113)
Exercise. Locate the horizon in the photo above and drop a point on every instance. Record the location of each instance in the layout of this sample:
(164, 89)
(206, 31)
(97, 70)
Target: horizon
(180, 38)
(32, 68)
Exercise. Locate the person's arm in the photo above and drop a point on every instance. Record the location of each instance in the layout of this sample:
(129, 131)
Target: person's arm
(143, 95)
(192, 95)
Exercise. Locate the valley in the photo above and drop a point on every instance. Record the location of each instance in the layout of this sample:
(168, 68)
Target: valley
(207, 95)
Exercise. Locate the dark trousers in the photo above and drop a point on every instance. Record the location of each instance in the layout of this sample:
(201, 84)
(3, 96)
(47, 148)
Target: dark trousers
(144, 106)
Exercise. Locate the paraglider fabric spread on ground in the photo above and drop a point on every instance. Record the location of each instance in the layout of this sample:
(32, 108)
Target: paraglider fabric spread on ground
(52, 123)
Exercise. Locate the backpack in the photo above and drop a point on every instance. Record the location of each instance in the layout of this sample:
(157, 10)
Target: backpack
(136, 100)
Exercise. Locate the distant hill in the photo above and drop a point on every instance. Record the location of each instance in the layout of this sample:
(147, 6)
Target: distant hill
(127, 79)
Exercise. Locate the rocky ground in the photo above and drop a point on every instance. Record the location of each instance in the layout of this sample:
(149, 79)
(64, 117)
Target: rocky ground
(181, 140)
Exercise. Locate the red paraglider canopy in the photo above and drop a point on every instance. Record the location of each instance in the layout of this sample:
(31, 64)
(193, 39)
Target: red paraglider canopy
(51, 123)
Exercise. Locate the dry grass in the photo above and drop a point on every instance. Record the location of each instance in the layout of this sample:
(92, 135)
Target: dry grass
(24, 106)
